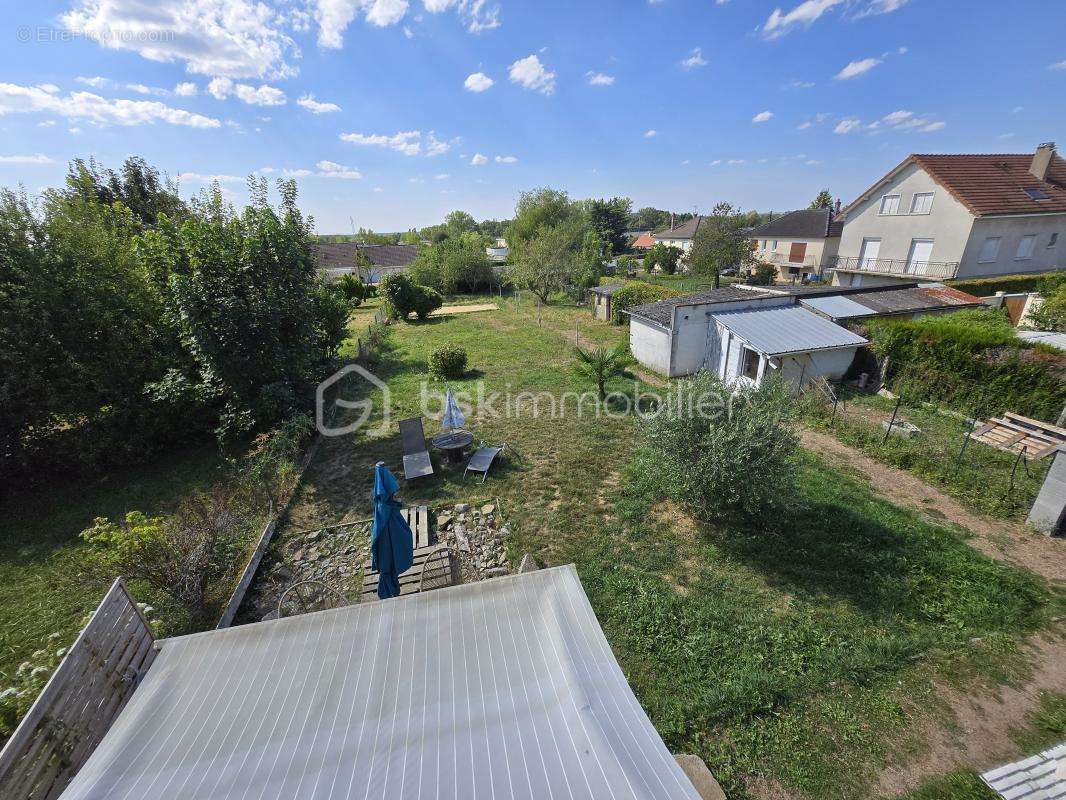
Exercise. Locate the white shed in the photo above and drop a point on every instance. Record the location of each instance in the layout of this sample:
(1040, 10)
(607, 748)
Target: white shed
(740, 334)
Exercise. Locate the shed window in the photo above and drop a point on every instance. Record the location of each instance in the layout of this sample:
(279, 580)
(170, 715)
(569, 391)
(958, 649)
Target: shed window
(1025, 248)
(890, 204)
(1053, 240)
(921, 202)
(749, 367)
(989, 250)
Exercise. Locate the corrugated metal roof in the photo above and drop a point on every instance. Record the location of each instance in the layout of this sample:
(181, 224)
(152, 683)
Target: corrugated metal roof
(500, 688)
(787, 329)
(662, 311)
(606, 289)
(1050, 338)
(1040, 777)
(836, 306)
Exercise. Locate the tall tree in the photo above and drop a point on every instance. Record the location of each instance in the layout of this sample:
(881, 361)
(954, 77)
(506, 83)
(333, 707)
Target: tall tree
(459, 222)
(823, 200)
(547, 263)
(721, 242)
(538, 209)
(610, 220)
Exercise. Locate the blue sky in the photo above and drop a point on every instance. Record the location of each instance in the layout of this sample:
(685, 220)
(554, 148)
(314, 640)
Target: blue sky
(393, 112)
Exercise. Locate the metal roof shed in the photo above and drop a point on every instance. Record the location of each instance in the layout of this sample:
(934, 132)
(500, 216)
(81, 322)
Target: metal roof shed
(786, 330)
(501, 688)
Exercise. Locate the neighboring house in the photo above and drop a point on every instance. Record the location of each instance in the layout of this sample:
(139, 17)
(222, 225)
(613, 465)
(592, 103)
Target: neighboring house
(644, 241)
(339, 258)
(954, 216)
(800, 244)
(681, 235)
(742, 335)
(499, 252)
(601, 300)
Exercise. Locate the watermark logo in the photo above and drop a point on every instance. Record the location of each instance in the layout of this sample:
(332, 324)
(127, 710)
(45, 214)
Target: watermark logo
(364, 407)
(42, 34)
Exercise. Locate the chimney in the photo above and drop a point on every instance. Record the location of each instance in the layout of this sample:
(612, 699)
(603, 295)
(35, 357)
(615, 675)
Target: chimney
(1042, 160)
(836, 207)
(671, 220)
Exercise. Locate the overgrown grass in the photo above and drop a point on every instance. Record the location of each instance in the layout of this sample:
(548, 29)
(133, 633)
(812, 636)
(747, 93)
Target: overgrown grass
(1047, 725)
(42, 589)
(790, 650)
(960, 785)
(983, 478)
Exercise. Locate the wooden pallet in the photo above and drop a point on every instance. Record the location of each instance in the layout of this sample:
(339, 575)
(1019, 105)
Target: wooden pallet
(434, 567)
(418, 518)
(1015, 433)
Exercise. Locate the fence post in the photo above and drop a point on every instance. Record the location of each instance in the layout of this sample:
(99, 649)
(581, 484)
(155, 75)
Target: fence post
(892, 422)
(965, 441)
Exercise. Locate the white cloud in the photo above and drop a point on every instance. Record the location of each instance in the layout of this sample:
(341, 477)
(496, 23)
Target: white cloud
(804, 125)
(436, 147)
(599, 79)
(933, 126)
(408, 33)
(1058, 65)
(736, 162)
(716, 162)
(804, 14)
(856, 68)
(847, 126)
(477, 82)
(763, 116)
(231, 38)
(296, 173)
(531, 74)
(199, 177)
(506, 159)
(315, 107)
(875, 7)
(48, 123)
(378, 189)
(651, 134)
(140, 88)
(441, 177)
(97, 110)
(97, 82)
(406, 142)
(796, 83)
(38, 158)
(186, 89)
(695, 59)
(477, 15)
(331, 169)
(897, 117)
(51, 88)
(221, 88)
(478, 160)
(334, 16)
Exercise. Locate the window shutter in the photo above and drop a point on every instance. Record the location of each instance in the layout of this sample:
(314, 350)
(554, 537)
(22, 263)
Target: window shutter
(797, 252)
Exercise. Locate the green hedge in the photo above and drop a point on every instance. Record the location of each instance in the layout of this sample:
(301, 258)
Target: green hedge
(971, 361)
(984, 287)
(635, 293)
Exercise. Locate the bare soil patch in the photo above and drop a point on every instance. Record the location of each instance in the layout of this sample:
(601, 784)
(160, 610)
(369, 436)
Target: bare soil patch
(467, 309)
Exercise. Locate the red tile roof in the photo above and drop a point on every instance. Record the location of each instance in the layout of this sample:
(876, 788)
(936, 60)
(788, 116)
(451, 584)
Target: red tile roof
(644, 241)
(996, 183)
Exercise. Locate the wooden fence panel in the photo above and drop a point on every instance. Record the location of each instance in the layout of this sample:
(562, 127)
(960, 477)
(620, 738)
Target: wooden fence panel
(78, 704)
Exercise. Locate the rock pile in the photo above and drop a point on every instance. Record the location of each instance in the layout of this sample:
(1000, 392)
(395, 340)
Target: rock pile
(477, 538)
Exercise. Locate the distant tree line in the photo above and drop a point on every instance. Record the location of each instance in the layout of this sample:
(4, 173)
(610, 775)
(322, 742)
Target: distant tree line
(130, 318)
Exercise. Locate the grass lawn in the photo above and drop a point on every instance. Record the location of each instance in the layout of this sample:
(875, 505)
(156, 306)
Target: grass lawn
(983, 480)
(41, 590)
(788, 652)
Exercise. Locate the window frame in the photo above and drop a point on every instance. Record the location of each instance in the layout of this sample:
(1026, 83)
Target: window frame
(914, 199)
(1031, 239)
(881, 207)
(748, 354)
(995, 256)
(1053, 239)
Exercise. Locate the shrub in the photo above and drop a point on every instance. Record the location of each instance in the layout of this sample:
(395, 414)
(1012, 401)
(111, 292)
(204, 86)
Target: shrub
(1024, 282)
(637, 293)
(454, 264)
(426, 301)
(722, 450)
(447, 363)
(971, 361)
(403, 297)
(352, 290)
(762, 274)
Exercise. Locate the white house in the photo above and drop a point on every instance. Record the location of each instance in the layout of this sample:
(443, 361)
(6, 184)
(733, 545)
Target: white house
(955, 216)
(741, 335)
(680, 236)
(801, 244)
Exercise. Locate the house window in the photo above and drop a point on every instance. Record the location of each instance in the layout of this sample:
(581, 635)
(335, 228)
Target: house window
(762, 245)
(1036, 193)
(921, 202)
(890, 204)
(773, 245)
(989, 250)
(1053, 240)
(750, 363)
(1025, 248)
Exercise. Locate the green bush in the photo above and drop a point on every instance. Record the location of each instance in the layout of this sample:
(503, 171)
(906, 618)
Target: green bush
(426, 301)
(971, 361)
(1025, 282)
(723, 451)
(404, 297)
(352, 290)
(447, 363)
(637, 293)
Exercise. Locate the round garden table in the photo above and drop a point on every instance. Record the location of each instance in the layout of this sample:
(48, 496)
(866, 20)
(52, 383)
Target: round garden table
(453, 443)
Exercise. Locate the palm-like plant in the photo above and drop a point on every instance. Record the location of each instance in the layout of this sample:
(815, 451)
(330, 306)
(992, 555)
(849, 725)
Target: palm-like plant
(601, 364)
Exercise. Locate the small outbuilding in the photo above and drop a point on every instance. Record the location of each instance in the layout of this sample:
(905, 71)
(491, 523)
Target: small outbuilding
(600, 297)
(910, 302)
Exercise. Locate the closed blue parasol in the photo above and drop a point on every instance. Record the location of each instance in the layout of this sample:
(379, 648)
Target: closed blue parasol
(453, 418)
(392, 543)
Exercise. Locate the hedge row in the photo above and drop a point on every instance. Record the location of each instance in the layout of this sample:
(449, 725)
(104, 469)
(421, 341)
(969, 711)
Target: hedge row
(636, 293)
(971, 361)
(985, 287)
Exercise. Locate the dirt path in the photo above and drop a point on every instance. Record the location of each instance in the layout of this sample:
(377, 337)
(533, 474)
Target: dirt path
(1011, 542)
(467, 309)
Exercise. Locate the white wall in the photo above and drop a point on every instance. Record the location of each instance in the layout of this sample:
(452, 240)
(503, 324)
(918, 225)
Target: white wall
(1011, 230)
(650, 345)
(831, 364)
(948, 223)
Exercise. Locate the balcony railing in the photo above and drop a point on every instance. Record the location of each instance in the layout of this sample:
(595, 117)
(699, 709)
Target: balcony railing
(938, 270)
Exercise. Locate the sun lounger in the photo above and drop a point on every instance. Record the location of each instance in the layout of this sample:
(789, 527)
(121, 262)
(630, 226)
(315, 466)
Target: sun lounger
(416, 463)
(482, 460)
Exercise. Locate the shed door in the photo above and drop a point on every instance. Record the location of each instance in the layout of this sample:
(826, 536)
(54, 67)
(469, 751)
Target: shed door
(797, 252)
